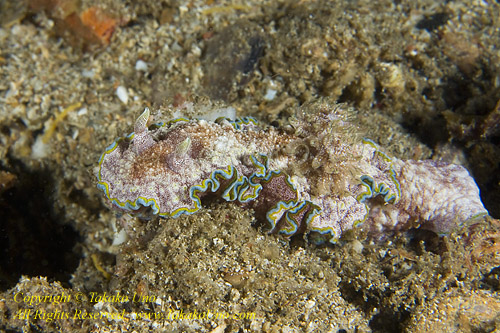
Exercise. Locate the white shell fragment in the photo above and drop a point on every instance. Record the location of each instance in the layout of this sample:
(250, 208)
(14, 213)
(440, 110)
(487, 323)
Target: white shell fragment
(122, 94)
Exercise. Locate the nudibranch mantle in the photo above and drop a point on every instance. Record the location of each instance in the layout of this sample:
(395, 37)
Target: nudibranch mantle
(311, 181)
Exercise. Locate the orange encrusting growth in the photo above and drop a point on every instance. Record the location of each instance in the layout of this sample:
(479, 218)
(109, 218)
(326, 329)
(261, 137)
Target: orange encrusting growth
(100, 23)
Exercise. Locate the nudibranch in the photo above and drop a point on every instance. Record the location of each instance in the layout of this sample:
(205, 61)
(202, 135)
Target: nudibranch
(317, 177)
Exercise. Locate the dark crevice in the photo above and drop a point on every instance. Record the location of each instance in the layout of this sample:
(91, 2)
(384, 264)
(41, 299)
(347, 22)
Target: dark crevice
(430, 132)
(386, 320)
(432, 22)
(35, 240)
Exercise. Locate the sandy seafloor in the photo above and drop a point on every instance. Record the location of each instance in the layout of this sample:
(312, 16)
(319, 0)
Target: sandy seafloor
(424, 77)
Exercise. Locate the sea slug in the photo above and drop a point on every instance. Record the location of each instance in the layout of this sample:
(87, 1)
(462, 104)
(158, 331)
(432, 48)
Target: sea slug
(315, 177)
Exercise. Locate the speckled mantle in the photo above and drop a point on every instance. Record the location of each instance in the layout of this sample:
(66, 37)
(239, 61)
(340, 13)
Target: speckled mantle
(313, 179)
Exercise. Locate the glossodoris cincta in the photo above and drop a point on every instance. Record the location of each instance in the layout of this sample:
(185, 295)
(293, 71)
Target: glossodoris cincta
(317, 178)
